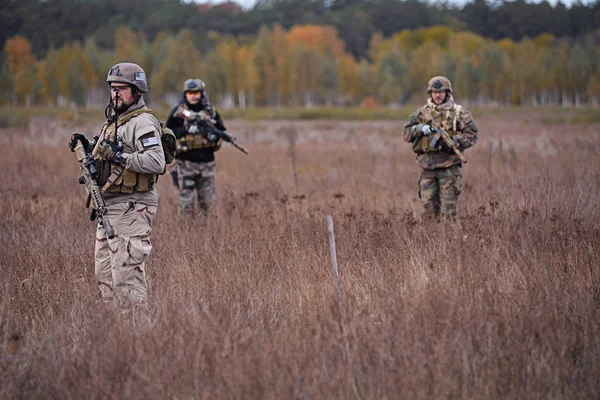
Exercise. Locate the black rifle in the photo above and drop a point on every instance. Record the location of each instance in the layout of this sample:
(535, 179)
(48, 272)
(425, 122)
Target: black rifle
(212, 133)
(206, 127)
(88, 177)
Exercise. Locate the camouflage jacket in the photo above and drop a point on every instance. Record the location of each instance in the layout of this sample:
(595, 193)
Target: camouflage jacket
(448, 116)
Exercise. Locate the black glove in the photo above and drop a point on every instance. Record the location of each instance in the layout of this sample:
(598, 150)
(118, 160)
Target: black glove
(78, 136)
(93, 142)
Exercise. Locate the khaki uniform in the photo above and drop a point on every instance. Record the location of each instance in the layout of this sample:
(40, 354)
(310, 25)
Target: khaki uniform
(440, 183)
(132, 201)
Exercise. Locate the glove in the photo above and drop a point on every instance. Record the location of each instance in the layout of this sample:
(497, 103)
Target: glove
(194, 129)
(78, 136)
(109, 151)
(427, 130)
(93, 142)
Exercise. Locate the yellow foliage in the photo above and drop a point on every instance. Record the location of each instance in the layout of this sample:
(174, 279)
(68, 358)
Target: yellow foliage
(131, 46)
(18, 53)
(247, 75)
(507, 45)
(593, 87)
(437, 34)
(316, 37)
(74, 53)
(404, 39)
(375, 45)
(348, 72)
(545, 40)
(466, 43)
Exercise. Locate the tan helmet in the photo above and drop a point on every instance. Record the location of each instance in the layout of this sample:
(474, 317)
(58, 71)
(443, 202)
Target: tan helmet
(439, 83)
(129, 73)
(193, 85)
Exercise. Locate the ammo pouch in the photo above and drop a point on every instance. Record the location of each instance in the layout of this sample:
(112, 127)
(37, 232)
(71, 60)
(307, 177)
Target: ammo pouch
(196, 141)
(115, 179)
(422, 145)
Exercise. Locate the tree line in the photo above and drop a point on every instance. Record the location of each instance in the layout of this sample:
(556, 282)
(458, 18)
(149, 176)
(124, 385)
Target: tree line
(310, 65)
(52, 23)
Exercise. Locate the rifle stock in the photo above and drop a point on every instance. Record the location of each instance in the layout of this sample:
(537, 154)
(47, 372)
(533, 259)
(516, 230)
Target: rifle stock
(94, 194)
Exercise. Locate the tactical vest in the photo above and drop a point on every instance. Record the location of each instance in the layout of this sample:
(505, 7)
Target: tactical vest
(445, 119)
(115, 178)
(197, 140)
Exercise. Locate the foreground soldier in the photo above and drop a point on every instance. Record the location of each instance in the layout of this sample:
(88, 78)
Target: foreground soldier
(440, 183)
(129, 158)
(194, 174)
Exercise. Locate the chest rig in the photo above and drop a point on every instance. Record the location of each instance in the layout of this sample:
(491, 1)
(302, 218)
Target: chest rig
(116, 178)
(444, 117)
(197, 140)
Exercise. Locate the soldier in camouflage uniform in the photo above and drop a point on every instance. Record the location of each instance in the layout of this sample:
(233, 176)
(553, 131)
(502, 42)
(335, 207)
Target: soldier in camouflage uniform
(441, 182)
(194, 173)
(129, 158)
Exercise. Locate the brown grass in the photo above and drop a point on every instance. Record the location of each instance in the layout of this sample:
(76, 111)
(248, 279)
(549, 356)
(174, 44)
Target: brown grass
(505, 304)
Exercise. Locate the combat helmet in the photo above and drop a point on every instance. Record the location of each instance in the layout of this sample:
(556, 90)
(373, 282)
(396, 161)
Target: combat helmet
(439, 83)
(194, 85)
(129, 73)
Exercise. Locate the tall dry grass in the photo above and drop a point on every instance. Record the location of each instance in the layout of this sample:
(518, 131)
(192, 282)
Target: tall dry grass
(504, 304)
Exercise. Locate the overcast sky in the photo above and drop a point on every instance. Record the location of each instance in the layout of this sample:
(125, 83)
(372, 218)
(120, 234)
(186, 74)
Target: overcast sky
(250, 3)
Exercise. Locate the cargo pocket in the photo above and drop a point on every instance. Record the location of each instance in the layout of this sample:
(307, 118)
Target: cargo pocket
(458, 179)
(138, 250)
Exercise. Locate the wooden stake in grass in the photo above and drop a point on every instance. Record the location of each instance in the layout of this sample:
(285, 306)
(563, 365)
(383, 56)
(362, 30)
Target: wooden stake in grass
(292, 136)
(334, 266)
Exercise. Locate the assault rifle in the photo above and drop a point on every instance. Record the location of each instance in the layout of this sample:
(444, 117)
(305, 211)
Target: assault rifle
(442, 134)
(94, 194)
(209, 131)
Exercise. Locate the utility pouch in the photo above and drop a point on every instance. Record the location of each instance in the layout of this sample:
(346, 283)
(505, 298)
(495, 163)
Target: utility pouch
(129, 181)
(143, 183)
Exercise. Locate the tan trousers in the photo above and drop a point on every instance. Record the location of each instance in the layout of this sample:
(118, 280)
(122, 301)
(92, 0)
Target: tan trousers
(120, 269)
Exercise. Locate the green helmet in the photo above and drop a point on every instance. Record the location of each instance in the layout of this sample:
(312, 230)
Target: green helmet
(439, 83)
(193, 85)
(129, 73)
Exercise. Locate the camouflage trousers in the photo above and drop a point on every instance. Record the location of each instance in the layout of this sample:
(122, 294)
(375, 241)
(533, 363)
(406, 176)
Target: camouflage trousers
(196, 181)
(120, 262)
(439, 190)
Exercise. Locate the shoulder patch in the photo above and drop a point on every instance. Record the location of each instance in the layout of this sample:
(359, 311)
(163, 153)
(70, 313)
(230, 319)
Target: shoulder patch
(149, 141)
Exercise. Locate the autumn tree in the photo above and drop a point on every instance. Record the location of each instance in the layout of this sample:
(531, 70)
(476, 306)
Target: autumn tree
(20, 61)
(181, 61)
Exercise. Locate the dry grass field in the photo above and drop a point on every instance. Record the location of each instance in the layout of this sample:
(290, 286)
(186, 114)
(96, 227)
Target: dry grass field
(504, 304)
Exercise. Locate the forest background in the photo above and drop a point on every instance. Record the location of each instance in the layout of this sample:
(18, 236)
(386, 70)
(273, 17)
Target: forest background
(302, 52)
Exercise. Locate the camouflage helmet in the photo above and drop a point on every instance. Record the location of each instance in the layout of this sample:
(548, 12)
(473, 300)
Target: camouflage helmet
(193, 85)
(129, 73)
(439, 83)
